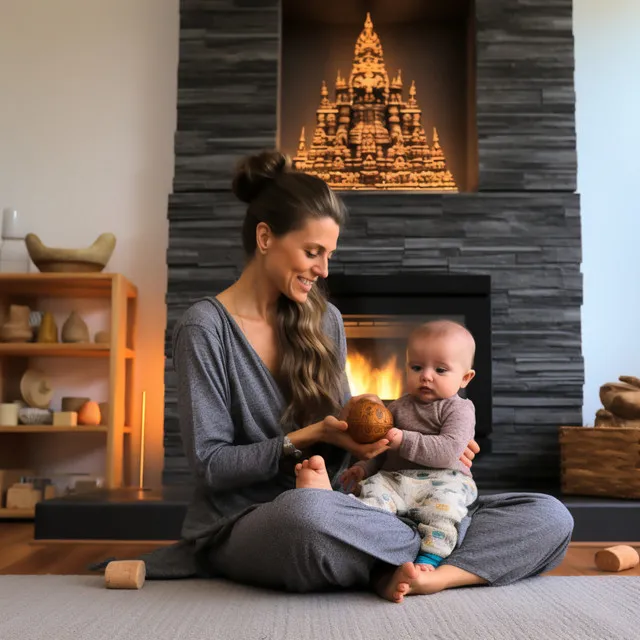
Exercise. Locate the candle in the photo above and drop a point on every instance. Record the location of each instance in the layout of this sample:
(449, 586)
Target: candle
(12, 224)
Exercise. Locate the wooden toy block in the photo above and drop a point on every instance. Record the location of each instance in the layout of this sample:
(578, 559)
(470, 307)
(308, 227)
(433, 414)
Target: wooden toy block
(65, 419)
(125, 574)
(618, 558)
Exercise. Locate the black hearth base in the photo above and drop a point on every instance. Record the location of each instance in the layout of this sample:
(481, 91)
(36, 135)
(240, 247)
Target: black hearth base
(129, 514)
(118, 514)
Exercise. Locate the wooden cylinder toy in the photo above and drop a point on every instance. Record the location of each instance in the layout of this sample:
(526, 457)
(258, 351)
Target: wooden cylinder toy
(125, 574)
(617, 558)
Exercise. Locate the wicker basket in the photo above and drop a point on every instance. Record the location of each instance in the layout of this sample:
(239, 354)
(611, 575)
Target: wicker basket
(600, 461)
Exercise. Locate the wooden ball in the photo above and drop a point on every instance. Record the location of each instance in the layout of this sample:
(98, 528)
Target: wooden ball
(125, 574)
(368, 421)
(618, 558)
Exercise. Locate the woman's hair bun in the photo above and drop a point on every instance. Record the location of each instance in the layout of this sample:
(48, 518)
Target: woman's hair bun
(255, 172)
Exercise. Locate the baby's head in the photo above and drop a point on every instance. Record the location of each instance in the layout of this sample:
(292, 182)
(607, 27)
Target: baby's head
(439, 360)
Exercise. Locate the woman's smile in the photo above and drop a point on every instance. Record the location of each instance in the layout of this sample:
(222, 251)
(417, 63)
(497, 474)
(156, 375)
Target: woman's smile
(306, 284)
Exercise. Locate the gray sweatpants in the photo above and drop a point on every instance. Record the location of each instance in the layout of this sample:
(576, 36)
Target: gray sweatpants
(313, 539)
(435, 499)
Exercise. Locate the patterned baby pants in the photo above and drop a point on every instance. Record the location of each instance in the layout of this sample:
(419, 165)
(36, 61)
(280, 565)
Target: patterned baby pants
(435, 499)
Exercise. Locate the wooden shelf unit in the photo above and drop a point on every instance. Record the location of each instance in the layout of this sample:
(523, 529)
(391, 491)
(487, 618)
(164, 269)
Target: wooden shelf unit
(17, 513)
(76, 350)
(28, 288)
(47, 428)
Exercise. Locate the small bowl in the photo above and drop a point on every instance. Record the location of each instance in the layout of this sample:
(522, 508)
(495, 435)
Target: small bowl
(31, 415)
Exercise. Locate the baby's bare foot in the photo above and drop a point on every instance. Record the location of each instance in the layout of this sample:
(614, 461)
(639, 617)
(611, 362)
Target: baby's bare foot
(411, 579)
(312, 474)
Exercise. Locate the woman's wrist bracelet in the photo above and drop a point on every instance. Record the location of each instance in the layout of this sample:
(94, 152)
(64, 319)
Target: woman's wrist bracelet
(289, 450)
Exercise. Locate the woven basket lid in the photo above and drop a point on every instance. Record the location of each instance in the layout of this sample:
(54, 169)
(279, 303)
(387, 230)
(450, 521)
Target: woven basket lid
(36, 389)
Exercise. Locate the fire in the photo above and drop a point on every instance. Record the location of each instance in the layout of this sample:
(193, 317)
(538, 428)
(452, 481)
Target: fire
(385, 382)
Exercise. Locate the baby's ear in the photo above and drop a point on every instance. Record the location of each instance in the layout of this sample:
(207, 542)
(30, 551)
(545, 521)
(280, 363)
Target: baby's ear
(467, 378)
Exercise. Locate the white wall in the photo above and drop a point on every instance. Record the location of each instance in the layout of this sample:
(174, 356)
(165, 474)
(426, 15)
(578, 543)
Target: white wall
(87, 116)
(607, 36)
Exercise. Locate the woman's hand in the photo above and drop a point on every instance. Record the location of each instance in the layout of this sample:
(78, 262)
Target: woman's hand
(469, 454)
(344, 440)
(350, 479)
(322, 431)
(334, 431)
(347, 407)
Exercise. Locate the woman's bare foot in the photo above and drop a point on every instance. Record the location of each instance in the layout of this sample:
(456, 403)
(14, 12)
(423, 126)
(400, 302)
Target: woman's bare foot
(419, 579)
(312, 474)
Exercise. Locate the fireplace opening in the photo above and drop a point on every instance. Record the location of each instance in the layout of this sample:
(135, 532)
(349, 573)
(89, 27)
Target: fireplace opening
(380, 312)
(380, 95)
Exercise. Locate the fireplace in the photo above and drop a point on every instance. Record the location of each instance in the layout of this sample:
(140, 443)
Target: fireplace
(504, 111)
(379, 313)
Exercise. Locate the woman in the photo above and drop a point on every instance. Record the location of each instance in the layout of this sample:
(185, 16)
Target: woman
(260, 372)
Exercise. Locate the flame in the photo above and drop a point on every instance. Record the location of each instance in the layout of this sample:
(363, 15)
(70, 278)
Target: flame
(385, 382)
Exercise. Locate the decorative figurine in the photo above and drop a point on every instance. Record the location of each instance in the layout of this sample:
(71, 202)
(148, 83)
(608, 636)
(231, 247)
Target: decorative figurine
(75, 329)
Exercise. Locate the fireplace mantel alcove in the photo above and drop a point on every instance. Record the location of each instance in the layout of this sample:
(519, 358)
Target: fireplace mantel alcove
(398, 74)
(520, 225)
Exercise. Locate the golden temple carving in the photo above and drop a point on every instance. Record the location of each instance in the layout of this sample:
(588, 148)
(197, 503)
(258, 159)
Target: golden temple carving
(369, 137)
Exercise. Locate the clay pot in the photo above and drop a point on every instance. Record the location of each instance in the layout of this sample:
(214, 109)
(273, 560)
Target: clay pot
(48, 329)
(368, 421)
(89, 414)
(75, 329)
(17, 327)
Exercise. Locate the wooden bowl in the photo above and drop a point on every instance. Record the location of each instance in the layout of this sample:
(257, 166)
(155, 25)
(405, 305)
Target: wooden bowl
(92, 259)
(368, 421)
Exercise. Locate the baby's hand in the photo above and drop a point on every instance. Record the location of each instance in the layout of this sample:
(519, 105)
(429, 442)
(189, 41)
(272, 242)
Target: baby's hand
(351, 477)
(395, 438)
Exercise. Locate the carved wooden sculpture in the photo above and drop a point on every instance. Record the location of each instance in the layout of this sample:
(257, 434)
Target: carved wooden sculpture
(621, 402)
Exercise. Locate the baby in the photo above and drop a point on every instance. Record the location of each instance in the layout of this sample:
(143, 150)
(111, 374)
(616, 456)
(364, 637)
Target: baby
(421, 476)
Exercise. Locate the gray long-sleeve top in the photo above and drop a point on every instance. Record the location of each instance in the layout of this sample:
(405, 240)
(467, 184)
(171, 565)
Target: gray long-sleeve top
(229, 410)
(435, 435)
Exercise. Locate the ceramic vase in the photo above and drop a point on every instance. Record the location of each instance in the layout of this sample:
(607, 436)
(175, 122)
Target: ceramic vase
(48, 330)
(75, 329)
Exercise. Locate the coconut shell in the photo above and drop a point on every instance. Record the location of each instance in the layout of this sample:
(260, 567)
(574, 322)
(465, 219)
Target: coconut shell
(368, 421)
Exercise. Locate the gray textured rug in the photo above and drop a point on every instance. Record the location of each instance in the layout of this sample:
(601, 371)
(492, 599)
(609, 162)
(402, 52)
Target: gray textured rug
(79, 608)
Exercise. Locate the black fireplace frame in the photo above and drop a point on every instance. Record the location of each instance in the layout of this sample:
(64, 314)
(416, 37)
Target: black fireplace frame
(411, 293)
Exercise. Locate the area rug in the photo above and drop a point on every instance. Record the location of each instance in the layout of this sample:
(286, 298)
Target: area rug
(546, 608)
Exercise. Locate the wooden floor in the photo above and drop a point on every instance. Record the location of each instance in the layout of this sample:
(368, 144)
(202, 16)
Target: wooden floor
(20, 554)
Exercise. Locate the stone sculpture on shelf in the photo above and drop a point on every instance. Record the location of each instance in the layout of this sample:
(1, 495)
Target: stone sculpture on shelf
(621, 403)
(91, 259)
(75, 329)
(16, 328)
(48, 329)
